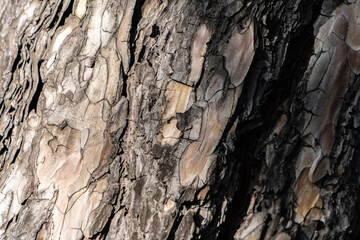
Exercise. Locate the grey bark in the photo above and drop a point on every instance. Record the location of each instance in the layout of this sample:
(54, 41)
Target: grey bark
(180, 119)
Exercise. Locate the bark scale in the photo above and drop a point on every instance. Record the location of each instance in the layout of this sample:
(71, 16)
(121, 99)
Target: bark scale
(150, 119)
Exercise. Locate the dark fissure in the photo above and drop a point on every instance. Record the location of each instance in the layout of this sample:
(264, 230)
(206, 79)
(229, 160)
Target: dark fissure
(249, 153)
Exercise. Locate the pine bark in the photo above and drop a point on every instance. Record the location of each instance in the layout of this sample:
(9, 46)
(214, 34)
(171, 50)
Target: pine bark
(179, 119)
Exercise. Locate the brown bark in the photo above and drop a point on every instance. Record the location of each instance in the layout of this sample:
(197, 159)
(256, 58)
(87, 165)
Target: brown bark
(150, 119)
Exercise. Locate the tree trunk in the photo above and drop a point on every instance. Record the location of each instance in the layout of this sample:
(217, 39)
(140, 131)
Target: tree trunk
(175, 119)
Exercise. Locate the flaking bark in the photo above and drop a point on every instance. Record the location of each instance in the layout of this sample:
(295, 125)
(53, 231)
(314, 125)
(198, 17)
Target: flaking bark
(176, 119)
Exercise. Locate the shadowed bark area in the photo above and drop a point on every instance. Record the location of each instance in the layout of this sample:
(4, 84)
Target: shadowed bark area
(179, 119)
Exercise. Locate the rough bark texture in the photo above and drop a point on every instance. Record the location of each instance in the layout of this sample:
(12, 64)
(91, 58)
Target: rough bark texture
(179, 119)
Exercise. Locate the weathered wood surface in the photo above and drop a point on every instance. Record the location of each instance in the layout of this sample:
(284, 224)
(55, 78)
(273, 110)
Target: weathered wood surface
(151, 119)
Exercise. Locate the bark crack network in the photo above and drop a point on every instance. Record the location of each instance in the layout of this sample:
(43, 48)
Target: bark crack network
(151, 119)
